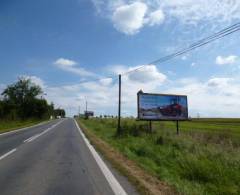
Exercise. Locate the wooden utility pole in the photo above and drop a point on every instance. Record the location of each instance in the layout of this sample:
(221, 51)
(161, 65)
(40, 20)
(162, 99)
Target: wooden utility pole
(119, 105)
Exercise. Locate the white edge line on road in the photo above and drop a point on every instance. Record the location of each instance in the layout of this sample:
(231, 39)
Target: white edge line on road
(115, 185)
(7, 154)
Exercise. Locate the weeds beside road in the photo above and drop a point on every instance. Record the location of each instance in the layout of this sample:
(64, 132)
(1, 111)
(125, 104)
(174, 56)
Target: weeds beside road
(10, 125)
(203, 159)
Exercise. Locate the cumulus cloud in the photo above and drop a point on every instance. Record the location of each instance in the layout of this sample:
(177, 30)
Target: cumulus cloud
(188, 11)
(219, 82)
(71, 66)
(216, 97)
(102, 95)
(221, 60)
(155, 18)
(147, 74)
(129, 16)
(193, 64)
(36, 80)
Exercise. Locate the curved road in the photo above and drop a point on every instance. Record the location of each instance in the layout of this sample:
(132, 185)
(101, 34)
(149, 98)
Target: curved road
(53, 159)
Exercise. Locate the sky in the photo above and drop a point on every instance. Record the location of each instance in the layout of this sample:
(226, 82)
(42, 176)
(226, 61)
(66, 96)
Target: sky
(58, 44)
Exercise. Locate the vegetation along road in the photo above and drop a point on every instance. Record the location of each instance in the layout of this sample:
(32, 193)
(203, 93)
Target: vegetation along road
(203, 159)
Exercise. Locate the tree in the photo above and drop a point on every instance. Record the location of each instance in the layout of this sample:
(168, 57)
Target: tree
(20, 100)
(59, 112)
(21, 91)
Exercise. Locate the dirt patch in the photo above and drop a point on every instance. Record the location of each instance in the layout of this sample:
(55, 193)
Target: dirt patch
(145, 183)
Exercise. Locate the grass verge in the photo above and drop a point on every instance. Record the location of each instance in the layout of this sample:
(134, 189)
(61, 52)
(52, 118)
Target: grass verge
(145, 183)
(6, 126)
(203, 159)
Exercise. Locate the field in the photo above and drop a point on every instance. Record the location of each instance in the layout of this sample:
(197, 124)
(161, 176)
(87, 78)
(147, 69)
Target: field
(203, 159)
(8, 125)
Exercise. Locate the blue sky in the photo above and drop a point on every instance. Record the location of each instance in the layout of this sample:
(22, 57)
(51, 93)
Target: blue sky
(59, 43)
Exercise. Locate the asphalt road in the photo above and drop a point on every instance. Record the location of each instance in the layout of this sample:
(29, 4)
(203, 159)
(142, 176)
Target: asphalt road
(54, 159)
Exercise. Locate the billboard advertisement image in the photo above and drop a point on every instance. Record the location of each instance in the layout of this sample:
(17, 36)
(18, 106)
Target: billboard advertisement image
(162, 107)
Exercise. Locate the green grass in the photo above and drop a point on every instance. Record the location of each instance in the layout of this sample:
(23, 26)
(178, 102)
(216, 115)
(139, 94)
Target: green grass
(9, 125)
(203, 159)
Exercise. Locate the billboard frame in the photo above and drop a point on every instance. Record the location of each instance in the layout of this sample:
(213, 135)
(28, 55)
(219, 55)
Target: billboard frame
(159, 94)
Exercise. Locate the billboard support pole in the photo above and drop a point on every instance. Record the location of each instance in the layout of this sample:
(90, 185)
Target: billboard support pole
(177, 128)
(150, 126)
(119, 104)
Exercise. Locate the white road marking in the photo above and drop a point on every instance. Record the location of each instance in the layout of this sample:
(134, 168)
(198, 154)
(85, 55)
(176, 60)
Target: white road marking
(40, 134)
(7, 154)
(115, 185)
(23, 129)
(29, 138)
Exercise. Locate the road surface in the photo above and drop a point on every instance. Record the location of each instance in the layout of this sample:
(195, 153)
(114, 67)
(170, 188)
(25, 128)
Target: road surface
(55, 159)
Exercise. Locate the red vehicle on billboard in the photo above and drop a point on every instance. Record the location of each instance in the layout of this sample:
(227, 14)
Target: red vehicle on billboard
(174, 109)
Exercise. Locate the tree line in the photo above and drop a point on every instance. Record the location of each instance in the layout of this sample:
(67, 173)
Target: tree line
(24, 100)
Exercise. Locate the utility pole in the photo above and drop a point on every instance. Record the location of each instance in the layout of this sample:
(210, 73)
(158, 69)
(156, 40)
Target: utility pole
(78, 111)
(119, 131)
(86, 106)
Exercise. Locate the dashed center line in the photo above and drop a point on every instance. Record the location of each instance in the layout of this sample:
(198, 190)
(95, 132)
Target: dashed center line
(40, 134)
(7, 154)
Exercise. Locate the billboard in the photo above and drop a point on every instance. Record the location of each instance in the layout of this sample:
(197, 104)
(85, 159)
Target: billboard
(88, 114)
(162, 107)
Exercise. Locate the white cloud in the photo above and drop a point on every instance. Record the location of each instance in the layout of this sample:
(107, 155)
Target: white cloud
(129, 18)
(106, 82)
(221, 60)
(102, 96)
(215, 12)
(219, 82)
(36, 80)
(65, 62)
(216, 97)
(184, 57)
(148, 73)
(193, 64)
(70, 66)
(2, 87)
(155, 18)
(188, 11)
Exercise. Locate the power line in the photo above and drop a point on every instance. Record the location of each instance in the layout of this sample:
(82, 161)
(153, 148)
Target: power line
(218, 35)
(227, 31)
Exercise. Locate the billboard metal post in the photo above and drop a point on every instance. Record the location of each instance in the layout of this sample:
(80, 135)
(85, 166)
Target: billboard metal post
(119, 105)
(177, 127)
(150, 126)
